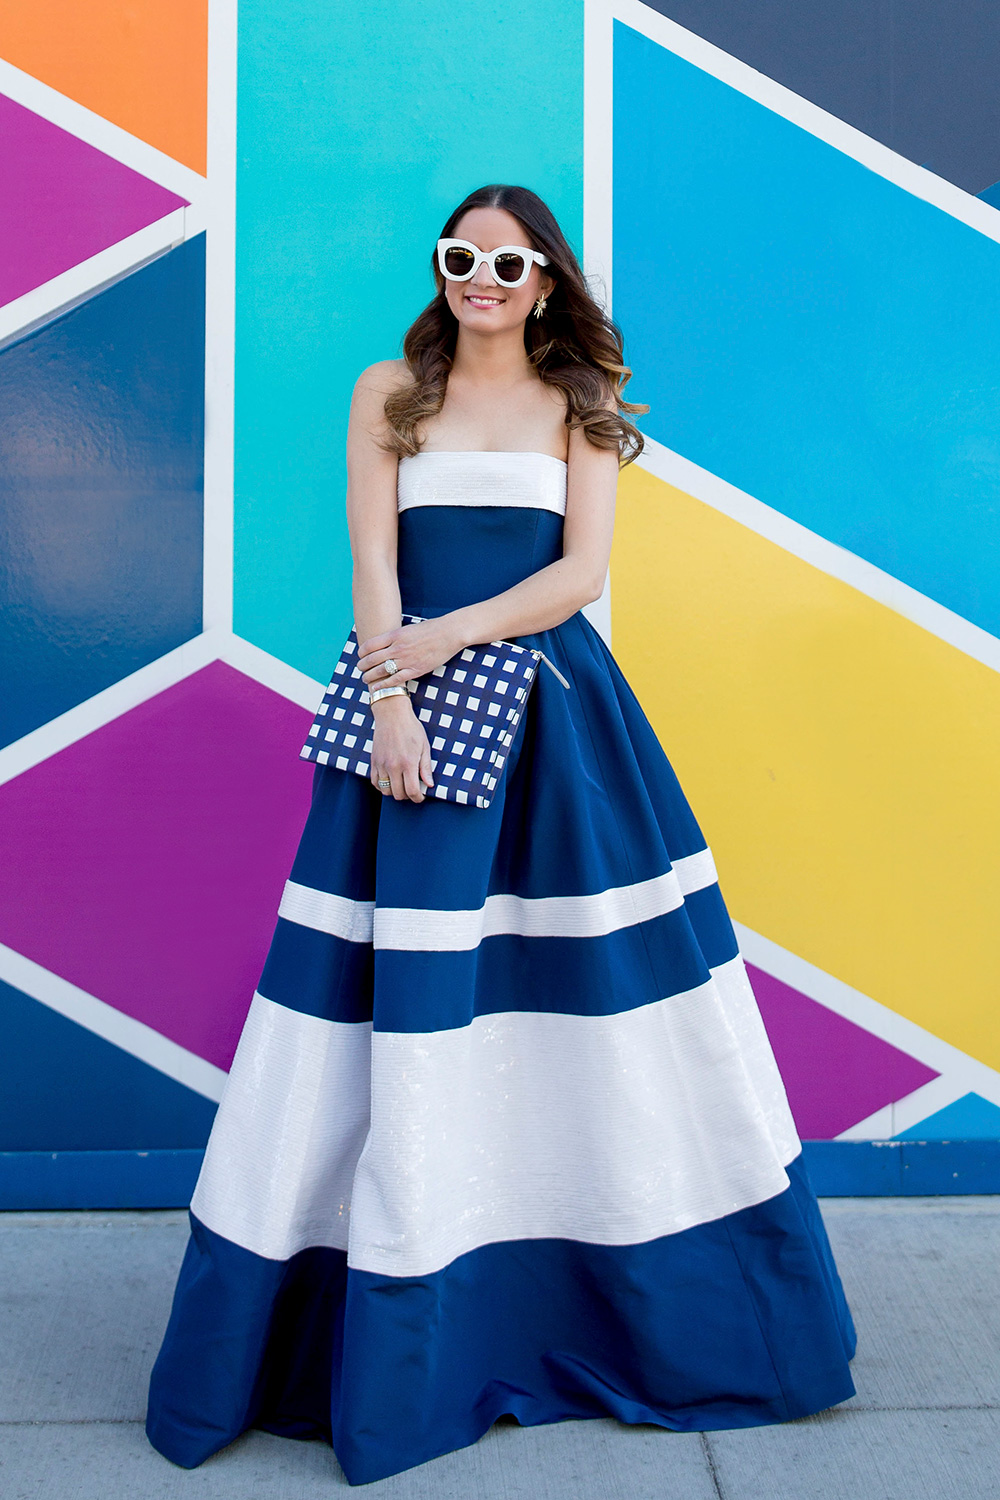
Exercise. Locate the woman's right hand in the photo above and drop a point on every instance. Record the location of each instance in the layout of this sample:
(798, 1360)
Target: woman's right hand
(400, 750)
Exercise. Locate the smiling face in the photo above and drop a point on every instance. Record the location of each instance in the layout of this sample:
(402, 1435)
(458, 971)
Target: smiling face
(483, 305)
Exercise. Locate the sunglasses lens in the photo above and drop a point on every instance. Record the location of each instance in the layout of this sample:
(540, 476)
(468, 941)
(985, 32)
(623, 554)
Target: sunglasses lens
(510, 267)
(458, 262)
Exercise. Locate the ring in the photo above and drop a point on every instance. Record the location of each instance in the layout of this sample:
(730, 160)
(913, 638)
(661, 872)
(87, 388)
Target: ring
(390, 666)
(384, 783)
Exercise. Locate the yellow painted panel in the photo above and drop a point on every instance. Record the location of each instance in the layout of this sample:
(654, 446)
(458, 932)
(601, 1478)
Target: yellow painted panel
(143, 65)
(843, 762)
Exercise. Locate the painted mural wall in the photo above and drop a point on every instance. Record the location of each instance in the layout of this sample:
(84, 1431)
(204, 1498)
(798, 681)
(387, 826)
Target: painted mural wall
(214, 219)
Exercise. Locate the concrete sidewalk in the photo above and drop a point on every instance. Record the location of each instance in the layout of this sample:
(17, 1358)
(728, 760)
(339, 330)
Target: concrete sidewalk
(85, 1299)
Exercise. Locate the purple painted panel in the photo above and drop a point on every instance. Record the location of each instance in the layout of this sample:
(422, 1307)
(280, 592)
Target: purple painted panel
(145, 863)
(835, 1072)
(63, 200)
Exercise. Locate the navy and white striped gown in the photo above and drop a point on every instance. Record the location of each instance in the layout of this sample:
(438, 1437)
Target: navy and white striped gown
(504, 1132)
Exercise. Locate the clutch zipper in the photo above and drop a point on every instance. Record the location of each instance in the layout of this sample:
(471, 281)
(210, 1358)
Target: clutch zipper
(535, 652)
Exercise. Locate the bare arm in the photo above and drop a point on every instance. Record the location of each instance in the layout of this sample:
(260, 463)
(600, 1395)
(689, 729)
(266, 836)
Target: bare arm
(400, 750)
(371, 507)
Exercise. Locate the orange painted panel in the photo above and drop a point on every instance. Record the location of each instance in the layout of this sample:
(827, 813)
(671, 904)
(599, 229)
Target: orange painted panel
(142, 65)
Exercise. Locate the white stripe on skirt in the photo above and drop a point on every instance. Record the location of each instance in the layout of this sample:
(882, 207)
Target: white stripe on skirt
(522, 1125)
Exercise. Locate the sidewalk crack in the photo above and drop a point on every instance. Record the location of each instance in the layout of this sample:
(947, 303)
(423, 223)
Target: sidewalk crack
(713, 1471)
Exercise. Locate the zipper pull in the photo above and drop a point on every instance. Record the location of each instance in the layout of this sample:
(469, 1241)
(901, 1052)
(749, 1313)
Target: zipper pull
(551, 665)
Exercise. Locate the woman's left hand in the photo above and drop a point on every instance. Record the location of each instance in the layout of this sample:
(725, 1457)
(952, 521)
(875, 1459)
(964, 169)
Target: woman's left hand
(415, 649)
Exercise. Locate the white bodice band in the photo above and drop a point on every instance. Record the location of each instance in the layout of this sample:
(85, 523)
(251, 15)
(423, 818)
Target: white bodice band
(482, 477)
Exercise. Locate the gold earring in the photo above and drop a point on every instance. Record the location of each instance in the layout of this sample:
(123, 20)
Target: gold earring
(540, 306)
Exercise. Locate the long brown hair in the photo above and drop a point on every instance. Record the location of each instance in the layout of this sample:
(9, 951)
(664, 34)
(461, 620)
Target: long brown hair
(574, 345)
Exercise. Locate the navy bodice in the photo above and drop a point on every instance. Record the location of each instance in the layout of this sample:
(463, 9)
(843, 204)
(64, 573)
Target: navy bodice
(474, 523)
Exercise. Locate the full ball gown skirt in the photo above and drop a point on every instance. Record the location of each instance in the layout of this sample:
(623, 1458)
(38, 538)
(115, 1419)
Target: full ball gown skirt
(503, 1132)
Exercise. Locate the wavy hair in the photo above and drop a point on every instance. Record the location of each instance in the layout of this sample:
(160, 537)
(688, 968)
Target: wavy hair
(574, 345)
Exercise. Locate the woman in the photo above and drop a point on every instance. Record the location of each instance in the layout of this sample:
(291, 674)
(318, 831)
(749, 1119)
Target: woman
(504, 1133)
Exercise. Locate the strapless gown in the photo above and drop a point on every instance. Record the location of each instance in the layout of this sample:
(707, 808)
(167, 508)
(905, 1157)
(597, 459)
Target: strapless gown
(504, 1133)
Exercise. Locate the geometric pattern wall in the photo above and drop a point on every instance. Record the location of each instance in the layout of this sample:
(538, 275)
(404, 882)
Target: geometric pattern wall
(339, 210)
(68, 200)
(811, 530)
(141, 66)
(150, 792)
(176, 377)
(144, 860)
(814, 525)
(919, 77)
(102, 472)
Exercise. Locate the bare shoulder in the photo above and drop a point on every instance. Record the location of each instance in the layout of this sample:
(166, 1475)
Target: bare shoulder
(367, 427)
(382, 378)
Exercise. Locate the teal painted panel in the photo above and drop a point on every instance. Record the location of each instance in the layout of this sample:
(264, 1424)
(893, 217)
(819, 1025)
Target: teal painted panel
(969, 1118)
(359, 131)
(808, 331)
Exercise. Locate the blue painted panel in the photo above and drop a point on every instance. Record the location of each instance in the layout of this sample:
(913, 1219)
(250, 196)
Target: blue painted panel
(345, 176)
(101, 483)
(807, 330)
(97, 1179)
(950, 1167)
(166, 1179)
(64, 1089)
(920, 77)
(849, 1169)
(908, 1169)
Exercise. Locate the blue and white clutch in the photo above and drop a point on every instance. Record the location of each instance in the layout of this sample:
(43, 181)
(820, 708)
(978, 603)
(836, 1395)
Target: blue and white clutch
(470, 708)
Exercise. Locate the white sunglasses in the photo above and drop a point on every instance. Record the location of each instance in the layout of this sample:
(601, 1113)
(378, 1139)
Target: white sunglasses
(510, 265)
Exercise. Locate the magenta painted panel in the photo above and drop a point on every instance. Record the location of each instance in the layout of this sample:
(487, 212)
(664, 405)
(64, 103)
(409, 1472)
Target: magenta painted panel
(835, 1073)
(62, 200)
(146, 861)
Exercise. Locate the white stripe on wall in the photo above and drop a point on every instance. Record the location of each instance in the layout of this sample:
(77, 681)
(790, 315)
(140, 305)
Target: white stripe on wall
(218, 212)
(101, 133)
(605, 1129)
(84, 280)
(146, 683)
(598, 192)
(132, 1036)
(423, 930)
(964, 1073)
(783, 101)
(818, 552)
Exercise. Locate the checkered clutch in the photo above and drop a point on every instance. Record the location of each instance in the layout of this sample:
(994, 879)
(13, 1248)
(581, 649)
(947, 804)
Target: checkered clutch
(470, 708)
